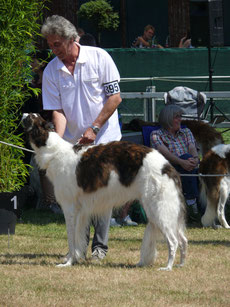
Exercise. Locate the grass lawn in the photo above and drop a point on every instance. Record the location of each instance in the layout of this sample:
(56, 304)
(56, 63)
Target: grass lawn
(29, 276)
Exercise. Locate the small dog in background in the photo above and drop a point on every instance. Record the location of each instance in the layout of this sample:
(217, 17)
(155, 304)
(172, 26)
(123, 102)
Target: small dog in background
(215, 190)
(88, 180)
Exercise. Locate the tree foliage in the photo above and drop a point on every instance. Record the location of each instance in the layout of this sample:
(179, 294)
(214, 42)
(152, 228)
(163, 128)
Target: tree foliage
(19, 27)
(101, 14)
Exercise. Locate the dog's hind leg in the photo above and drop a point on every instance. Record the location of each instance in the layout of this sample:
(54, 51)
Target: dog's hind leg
(82, 223)
(183, 243)
(148, 247)
(70, 212)
(172, 248)
(221, 206)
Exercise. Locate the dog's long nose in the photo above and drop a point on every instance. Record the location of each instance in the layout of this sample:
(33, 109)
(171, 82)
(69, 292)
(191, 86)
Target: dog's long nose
(23, 119)
(27, 121)
(24, 115)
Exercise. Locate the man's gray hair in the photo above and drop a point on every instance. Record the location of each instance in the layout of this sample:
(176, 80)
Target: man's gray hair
(58, 25)
(167, 114)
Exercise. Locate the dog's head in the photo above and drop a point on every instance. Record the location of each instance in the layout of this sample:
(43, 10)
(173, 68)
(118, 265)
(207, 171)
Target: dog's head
(36, 128)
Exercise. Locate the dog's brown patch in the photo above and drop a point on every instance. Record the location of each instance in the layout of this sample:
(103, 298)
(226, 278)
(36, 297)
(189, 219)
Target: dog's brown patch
(214, 164)
(205, 135)
(93, 170)
(171, 172)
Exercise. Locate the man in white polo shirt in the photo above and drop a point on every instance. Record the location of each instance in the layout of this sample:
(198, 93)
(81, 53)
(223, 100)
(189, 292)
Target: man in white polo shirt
(80, 85)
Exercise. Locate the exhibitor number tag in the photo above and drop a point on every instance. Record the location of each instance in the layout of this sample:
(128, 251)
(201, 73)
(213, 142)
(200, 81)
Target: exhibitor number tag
(112, 88)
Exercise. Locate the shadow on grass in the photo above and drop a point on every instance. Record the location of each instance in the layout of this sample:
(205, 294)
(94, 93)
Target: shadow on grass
(113, 265)
(42, 217)
(18, 259)
(210, 242)
(133, 240)
(12, 259)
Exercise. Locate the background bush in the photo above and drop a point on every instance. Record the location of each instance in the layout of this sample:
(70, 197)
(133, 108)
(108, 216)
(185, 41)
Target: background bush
(19, 27)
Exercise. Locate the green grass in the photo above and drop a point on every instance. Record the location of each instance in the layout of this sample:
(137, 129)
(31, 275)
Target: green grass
(226, 134)
(29, 276)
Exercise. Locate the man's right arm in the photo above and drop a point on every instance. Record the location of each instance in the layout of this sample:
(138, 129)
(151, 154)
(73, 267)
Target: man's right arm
(51, 99)
(59, 121)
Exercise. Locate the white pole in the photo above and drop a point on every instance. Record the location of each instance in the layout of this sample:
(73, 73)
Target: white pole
(152, 103)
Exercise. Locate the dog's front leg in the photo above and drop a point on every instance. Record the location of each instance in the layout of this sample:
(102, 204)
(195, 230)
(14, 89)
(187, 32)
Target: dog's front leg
(221, 207)
(70, 213)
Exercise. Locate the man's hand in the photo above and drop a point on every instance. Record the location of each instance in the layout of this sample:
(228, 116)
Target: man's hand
(88, 137)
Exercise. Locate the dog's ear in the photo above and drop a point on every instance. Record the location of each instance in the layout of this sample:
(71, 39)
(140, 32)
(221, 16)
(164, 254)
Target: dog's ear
(47, 125)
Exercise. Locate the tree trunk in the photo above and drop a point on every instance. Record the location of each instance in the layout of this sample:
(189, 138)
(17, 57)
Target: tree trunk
(67, 9)
(123, 23)
(179, 20)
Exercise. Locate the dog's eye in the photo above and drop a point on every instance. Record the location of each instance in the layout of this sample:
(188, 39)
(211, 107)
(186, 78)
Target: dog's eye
(49, 126)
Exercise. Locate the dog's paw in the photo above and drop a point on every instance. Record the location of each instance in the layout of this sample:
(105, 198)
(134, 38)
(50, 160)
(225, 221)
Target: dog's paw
(146, 262)
(140, 264)
(68, 263)
(215, 226)
(165, 269)
(180, 265)
(62, 265)
(66, 258)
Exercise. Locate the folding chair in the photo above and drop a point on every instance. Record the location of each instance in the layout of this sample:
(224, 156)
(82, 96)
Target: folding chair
(190, 101)
(146, 131)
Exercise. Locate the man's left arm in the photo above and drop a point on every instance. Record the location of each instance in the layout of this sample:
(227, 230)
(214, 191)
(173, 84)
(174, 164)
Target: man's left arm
(109, 108)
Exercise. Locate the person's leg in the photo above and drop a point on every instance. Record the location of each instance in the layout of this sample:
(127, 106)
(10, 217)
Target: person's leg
(190, 187)
(125, 210)
(124, 218)
(100, 240)
(189, 183)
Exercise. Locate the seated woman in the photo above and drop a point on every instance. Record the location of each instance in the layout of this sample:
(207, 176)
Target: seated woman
(177, 144)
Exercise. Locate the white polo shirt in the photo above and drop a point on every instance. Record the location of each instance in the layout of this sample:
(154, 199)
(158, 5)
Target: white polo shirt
(82, 96)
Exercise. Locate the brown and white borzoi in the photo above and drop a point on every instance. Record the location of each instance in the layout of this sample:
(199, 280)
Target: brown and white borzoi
(205, 135)
(215, 190)
(92, 179)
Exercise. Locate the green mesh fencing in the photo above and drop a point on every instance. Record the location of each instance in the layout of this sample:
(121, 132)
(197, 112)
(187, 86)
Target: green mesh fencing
(162, 63)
